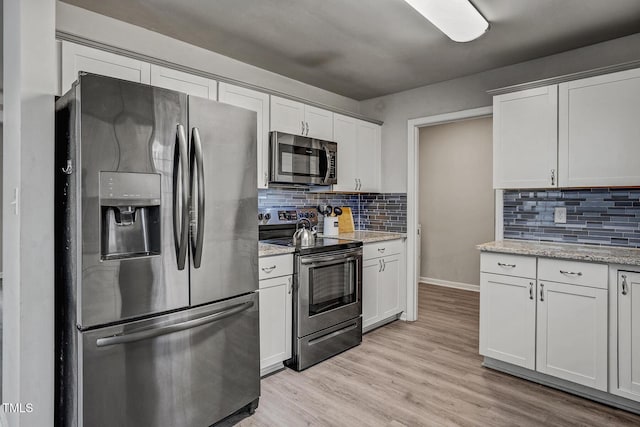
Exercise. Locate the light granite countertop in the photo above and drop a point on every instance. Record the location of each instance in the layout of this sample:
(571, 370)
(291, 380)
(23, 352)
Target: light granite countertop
(267, 249)
(364, 236)
(591, 253)
(371, 236)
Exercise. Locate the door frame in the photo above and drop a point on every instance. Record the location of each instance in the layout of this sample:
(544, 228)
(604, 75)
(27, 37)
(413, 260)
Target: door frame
(413, 140)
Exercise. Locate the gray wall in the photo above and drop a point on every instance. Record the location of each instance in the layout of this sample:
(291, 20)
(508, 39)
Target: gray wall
(470, 92)
(456, 198)
(81, 22)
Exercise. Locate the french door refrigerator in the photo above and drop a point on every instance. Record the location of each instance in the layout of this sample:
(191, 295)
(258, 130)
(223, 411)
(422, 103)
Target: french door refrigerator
(157, 309)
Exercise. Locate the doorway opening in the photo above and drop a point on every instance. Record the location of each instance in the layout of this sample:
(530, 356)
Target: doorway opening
(413, 197)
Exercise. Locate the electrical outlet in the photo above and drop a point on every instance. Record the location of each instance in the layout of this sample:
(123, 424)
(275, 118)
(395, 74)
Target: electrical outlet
(560, 215)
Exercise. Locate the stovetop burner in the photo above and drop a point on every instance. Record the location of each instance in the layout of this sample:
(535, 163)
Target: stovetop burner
(277, 226)
(322, 244)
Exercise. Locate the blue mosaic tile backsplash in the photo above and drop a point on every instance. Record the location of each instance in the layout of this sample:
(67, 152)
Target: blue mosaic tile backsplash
(597, 216)
(371, 211)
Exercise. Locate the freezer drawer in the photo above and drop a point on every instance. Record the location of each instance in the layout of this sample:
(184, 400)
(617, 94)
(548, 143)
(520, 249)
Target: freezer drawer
(190, 368)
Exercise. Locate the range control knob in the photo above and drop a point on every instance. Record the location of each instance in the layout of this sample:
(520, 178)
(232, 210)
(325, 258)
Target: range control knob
(267, 216)
(313, 215)
(260, 216)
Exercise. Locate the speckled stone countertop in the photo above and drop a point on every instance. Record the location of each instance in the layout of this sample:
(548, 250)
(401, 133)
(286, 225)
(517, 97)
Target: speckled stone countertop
(592, 253)
(371, 236)
(266, 249)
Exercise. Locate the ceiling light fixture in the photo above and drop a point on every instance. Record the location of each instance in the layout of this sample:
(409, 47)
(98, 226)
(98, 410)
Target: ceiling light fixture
(458, 19)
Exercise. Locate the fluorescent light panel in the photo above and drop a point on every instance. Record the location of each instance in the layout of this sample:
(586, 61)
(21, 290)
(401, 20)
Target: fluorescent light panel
(458, 19)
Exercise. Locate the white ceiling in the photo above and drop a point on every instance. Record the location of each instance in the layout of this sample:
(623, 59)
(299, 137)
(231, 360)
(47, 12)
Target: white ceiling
(363, 49)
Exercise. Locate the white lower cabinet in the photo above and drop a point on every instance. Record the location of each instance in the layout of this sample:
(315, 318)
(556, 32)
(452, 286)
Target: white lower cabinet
(275, 312)
(572, 333)
(624, 298)
(555, 328)
(508, 319)
(383, 283)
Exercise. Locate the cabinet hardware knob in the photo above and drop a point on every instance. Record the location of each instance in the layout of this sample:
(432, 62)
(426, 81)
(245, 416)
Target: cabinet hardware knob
(384, 265)
(268, 269)
(302, 127)
(381, 250)
(571, 273)
(542, 292)
(531, 290)
(380, 263)
(307, 134)
(553, 177)
(290, 285)
(625, 287)
(501, 264)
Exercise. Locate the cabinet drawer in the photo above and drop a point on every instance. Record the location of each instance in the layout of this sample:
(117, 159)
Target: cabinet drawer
(574, 272)
(380, 249)
(275, 266)
(511, 265)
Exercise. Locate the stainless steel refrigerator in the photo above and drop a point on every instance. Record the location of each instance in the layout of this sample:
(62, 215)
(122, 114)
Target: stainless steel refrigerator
(157, 309)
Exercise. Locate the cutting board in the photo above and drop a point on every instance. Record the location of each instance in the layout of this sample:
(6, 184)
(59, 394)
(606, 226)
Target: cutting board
(345, 221)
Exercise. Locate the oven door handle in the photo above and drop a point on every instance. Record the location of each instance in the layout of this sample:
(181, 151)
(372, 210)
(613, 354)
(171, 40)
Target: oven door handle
(320, 262)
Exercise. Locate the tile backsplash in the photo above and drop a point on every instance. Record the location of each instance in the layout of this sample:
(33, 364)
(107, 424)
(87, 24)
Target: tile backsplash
(598, 216)
(371, 211)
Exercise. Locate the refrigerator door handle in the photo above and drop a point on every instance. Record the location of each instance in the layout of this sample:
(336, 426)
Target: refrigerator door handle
(197, 168)
(146, 333)
(180, 204)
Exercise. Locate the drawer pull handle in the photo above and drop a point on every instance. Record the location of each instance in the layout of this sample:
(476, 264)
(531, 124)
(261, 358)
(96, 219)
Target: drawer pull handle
(541, 292)
(571, 273)
(268, 269)
(502, 264)
(530, 290)
(381, 250)
(625, 287)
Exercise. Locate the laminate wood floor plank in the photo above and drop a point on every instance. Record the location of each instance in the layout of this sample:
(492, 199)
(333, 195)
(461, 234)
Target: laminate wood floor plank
(425, 373)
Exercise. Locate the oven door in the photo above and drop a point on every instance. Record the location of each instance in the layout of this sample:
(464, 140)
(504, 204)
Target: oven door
(300, 160)
(329, 290)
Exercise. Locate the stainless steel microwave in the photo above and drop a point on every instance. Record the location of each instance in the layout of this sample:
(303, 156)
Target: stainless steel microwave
(302, 160)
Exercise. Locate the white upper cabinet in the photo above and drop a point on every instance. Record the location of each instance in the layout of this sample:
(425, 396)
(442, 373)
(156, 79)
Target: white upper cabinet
(525, 139)
(287, 116)
(368, 153)
(76, 58)
(358, 154)
(599, 134)
(301, 119)
(345, 135)
(319, 123)
(258, 102)
(183, 82)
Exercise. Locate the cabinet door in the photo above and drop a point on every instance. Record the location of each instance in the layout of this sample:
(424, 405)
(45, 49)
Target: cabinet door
(508, 319)
(629, 334)
(525, 139)
(76, 58)
(572, 333)
(183, 82)
(287, 116)
(319, 122)
(389, 286)
(258, 102)
(275, 321)
(600, 131)
(345, 135)
(368, 156)
(370, 276)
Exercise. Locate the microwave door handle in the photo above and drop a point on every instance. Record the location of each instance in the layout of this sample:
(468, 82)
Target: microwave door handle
(197, 168)
(328, 157)
(180, 197)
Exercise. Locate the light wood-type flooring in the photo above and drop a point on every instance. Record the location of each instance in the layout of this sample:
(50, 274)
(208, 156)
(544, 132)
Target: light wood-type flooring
(425, 373)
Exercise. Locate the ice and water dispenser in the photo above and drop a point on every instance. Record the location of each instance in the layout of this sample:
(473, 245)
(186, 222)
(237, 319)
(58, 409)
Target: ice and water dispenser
(130, 214)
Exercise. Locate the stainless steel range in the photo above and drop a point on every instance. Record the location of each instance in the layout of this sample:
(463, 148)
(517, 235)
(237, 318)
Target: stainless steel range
(327, 299)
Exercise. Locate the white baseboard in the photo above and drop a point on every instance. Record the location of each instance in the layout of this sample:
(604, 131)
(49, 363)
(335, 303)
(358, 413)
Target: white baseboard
(449, 284)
